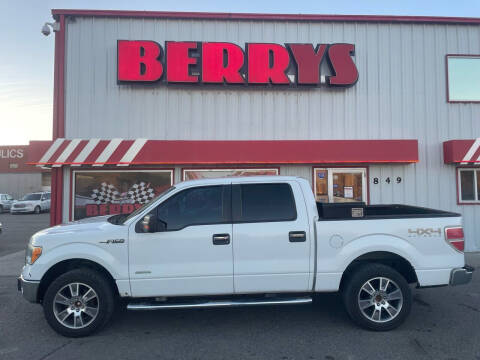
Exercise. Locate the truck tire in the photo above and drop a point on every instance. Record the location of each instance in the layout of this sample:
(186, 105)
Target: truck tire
(78, 303)
(37, 210)
(377, 297)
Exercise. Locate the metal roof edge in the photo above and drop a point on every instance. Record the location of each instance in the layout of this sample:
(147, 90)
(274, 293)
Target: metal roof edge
(267, 17)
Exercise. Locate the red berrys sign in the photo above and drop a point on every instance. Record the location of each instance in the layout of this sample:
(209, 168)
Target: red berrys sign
(189, 62)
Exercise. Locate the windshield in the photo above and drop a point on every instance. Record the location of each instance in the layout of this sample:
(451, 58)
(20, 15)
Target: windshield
(140, 209)
(32, 197)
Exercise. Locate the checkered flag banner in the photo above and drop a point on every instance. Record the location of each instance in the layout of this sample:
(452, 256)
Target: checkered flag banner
(106, 194)
(141, 193)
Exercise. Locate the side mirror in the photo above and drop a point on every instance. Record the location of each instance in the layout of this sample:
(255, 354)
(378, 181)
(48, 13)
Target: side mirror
(150, 224)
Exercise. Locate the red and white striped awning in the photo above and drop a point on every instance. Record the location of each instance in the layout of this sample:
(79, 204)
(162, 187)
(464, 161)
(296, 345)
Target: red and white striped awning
(94, 152)
(462, 152)
(121, 152)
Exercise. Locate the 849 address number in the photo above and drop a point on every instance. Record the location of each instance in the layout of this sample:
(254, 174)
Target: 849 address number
(398, 180)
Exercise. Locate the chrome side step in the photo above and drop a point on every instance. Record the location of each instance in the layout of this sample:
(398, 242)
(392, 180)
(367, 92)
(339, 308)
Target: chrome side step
(218, 303)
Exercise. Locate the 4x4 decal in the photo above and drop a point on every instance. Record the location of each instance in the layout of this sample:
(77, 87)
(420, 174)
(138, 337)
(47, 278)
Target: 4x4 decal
(428, 232)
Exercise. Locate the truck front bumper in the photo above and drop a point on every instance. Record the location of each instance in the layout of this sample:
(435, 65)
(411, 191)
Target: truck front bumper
(29, 289)
(461, 276)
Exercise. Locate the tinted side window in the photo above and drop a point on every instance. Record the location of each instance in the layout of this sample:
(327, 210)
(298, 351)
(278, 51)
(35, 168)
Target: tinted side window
(264, 202)
(196, 206)
(47, 196)
(3, 197)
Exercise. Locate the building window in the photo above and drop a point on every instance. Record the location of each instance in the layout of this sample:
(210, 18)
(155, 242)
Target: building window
(469, 186)
(110, 192)
(193, 174)
(463, 78)
(340, 184)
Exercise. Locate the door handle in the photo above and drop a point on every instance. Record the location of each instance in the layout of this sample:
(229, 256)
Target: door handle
(221, 239)
(297, 236)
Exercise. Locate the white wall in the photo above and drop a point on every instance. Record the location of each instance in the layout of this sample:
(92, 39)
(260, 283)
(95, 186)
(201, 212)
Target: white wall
(401, 93)
(18, 184)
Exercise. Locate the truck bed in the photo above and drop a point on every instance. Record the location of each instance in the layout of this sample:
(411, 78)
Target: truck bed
(361, 211)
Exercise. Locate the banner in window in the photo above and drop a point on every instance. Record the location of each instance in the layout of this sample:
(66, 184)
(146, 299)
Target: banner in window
(98, 193)
(193, 174)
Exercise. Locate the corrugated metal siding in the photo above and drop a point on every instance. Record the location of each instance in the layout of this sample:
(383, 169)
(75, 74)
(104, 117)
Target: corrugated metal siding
(400, 94)
(20, 184)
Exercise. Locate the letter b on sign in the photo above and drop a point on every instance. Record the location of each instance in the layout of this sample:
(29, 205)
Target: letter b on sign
(139, 61)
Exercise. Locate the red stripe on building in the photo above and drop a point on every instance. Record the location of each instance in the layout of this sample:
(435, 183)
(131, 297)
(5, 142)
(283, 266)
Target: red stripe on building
(97, 150)
(76, 151)
(258, 152)
(476, 156)
(455, 151)
(266, 17)
(278, 152)
(120, 151)
(58, 152)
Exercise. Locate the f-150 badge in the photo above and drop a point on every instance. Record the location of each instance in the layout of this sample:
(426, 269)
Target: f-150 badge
(429, 232)
(113, 241)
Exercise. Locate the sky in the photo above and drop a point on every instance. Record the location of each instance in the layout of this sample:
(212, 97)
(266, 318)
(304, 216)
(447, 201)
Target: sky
(26, 56)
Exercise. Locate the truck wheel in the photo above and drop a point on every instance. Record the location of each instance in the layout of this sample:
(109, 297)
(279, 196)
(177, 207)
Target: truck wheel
(37, 210)
(377, 297)
(78, 303)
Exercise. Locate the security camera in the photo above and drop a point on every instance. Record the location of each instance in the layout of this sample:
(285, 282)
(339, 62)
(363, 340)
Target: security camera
(46, 29)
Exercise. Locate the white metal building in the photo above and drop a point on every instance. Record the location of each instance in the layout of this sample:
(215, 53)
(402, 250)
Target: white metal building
(138, 106)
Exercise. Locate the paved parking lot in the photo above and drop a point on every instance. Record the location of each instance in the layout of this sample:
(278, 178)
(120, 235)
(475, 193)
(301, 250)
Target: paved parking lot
(18, 228)
(444, 324)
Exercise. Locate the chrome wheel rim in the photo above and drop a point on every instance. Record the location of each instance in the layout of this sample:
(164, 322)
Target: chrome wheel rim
(380, 299)
(76, 305)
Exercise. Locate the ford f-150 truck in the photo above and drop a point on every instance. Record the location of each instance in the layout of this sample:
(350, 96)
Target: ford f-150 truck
(238, 242)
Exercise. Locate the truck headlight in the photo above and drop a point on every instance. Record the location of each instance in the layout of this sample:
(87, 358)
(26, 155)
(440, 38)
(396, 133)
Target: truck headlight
(32, 253)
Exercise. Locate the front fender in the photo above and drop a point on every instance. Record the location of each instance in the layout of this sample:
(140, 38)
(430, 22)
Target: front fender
(115, 262)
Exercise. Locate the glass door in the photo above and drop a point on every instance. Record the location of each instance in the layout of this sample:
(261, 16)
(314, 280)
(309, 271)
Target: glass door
(340, 184)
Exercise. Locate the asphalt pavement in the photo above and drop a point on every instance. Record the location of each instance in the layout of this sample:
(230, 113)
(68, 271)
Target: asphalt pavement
(444, 324)
(18, 228)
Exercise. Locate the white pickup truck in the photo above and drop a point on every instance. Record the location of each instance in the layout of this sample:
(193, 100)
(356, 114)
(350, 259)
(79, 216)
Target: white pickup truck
(238, 242)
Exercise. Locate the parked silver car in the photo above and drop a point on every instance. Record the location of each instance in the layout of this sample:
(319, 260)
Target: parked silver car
(6, 202)
(32, 203)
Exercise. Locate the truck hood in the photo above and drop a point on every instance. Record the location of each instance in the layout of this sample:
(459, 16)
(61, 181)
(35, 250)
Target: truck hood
(94, 219)
(98, 223)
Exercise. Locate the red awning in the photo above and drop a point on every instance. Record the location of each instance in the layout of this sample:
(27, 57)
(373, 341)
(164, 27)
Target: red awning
(462, 151)
(120, 152)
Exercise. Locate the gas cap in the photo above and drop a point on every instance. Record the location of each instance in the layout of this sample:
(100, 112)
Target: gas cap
(336, 241)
